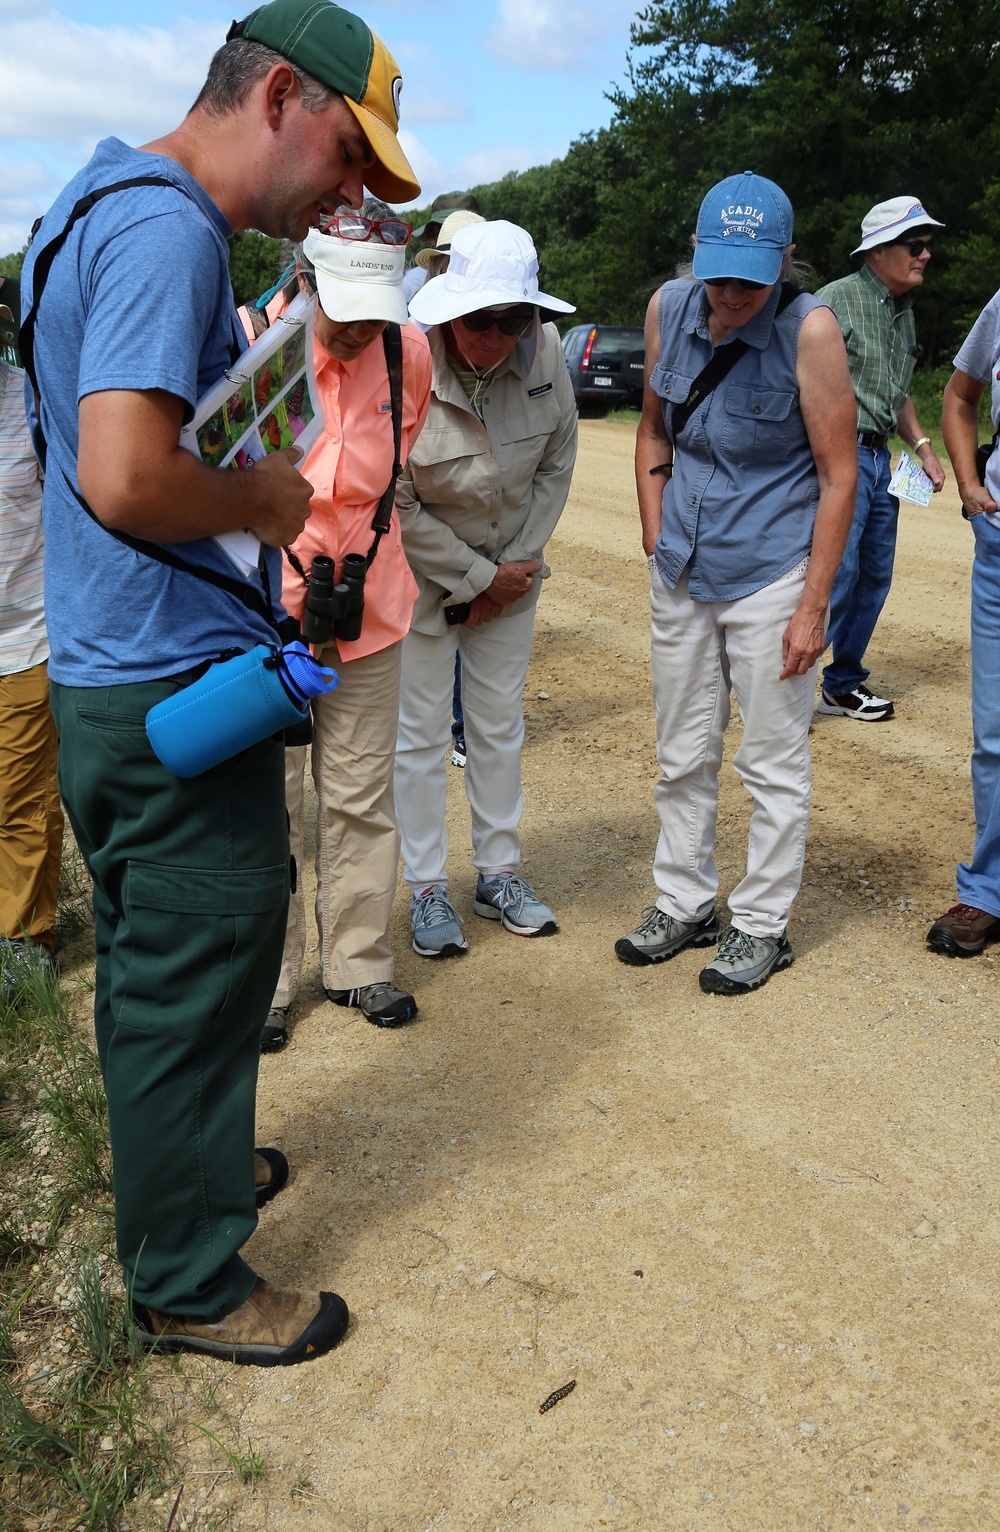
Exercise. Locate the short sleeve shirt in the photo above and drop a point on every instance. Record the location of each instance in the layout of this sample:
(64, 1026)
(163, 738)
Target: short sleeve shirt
(138, 298)
(881, 341)
(980, 358)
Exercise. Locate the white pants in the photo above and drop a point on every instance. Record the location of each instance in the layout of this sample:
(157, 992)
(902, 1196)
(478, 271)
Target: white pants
(494, 666)
(357, 842)
(700, 650)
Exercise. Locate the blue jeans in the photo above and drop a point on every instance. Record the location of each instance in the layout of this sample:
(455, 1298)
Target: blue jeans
(979, 881)
(865, 574)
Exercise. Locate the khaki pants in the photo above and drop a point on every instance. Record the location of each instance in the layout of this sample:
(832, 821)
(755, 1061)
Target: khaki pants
(31, 821)
(357, 842)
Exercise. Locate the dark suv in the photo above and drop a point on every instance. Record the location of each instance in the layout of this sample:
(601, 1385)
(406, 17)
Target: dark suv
(605, 362)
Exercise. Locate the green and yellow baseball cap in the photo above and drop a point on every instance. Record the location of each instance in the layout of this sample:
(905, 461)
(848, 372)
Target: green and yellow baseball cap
(339, 49)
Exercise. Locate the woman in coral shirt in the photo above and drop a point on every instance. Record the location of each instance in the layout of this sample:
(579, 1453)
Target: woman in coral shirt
(356, 265)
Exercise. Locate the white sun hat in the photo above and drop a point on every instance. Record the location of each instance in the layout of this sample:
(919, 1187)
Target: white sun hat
(492, 265)
(357, 279)
(888, 221)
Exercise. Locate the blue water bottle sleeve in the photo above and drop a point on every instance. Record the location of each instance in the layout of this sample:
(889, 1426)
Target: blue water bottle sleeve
(234, 705)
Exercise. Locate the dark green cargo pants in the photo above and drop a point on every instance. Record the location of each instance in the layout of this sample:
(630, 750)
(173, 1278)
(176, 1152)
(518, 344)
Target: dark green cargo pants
(190, 901)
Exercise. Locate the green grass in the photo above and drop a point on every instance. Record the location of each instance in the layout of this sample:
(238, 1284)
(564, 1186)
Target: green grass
(83, 1444)
(75, 1443)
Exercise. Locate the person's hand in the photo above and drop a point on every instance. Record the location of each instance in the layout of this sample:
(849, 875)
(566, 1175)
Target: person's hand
(931, 464)
(482, 609)
(513, 581)
(281, 498)
(976, 498)
(804, 640)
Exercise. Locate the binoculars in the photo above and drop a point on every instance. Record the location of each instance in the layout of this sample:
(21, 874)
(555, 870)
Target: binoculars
(333, 610)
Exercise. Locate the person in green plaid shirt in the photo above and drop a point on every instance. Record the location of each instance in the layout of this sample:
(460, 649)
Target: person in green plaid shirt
(873, 306)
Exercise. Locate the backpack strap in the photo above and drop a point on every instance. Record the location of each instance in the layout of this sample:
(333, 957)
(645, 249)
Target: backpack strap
(247, 594)
(723, 361)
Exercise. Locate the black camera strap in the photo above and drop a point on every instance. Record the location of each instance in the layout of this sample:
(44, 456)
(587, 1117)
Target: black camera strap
(722, 363)
(392, 345)
(250, 597)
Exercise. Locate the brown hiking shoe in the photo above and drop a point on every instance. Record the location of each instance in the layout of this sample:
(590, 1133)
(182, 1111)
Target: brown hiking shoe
(963, 932)
(271, 1329)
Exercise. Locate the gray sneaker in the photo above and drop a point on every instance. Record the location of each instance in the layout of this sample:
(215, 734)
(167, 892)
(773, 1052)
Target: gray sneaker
(23, 965)
(744, 962)
(514, 903)
(437, 925)
(383, 1004)
(659, 936)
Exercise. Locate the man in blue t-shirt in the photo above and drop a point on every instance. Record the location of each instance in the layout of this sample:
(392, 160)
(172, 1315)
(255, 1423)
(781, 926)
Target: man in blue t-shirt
(133, 321)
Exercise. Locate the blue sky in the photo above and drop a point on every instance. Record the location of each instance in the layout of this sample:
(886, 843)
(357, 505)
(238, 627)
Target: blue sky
(488, 85)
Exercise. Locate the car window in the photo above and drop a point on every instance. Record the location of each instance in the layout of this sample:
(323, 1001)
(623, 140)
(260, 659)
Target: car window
(612, 341)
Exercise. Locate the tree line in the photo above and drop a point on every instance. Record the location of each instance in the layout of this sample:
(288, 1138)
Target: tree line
(842, 102)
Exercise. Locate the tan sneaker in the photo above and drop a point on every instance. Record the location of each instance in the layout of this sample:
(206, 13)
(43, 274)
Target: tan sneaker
(272, 1328)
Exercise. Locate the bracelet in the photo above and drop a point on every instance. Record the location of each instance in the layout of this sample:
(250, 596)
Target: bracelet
(924, 441)
(664, 468)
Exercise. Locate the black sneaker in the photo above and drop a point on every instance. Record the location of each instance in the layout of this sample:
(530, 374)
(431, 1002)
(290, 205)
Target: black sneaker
(459, 754)
(274, 1035)
(860, 703)
(382, 1004)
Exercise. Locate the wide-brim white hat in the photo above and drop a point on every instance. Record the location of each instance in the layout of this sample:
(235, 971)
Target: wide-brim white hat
(492, 265)
(889, 221)
(357, 279)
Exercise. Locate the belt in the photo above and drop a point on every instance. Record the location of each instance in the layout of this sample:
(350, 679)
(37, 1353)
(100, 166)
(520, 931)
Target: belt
(873, 440)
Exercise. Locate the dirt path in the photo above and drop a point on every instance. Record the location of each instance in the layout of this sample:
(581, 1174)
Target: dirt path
(761, 1234)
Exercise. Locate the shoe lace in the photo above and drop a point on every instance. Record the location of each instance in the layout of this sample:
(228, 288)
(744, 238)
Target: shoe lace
(435, 909)
(965, 912)
(514, 894)
(652, 921)
(737, 946)
(375, 993)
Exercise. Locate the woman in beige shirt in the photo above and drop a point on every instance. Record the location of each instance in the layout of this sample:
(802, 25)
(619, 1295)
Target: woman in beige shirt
(485, 485)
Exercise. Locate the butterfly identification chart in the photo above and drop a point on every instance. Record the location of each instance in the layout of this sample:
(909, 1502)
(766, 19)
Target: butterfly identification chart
(265, 402)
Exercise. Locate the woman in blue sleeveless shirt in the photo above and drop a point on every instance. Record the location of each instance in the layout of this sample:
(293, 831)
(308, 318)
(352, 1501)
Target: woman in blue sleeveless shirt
(746, 497)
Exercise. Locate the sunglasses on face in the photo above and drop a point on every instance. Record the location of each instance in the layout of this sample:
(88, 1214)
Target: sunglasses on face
(513, 322)
(750, 287)
(914, 246)
(391, 231)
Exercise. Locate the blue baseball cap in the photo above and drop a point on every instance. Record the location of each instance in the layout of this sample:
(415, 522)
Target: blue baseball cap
(744, 227)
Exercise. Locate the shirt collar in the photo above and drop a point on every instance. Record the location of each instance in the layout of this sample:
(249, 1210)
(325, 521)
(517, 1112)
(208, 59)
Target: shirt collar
(904, 301)
(756, 333)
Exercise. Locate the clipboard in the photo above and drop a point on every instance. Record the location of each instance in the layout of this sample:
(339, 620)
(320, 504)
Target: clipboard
(264, 403)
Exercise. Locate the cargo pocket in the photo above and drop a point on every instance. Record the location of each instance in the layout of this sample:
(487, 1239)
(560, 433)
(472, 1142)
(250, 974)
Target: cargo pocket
(191, 946)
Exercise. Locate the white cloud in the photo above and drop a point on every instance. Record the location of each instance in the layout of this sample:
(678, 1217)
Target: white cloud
(66, 82)
(484, 165)
(557, 34)
(27, 187)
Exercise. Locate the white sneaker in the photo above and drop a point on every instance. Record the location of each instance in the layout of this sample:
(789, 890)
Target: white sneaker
(860, 703)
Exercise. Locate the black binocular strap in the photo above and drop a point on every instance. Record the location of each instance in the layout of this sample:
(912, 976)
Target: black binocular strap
(247, 594)
(392, 345)
(723, 362)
